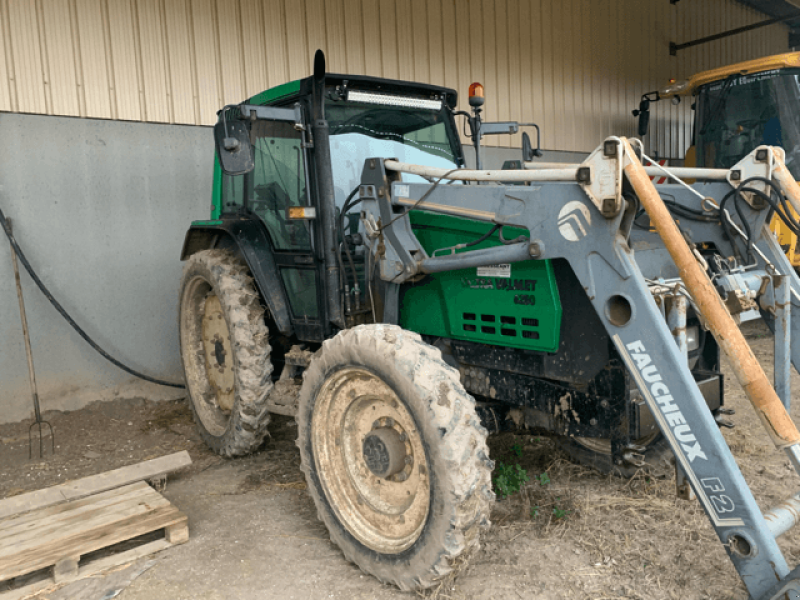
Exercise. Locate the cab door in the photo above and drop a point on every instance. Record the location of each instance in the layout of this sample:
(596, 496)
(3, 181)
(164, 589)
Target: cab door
(279, 181)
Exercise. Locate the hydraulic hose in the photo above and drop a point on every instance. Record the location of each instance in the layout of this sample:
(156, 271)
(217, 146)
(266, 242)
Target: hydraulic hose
(748, 371)
(70, 320)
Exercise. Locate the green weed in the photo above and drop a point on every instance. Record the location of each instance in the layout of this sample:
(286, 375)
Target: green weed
(509, 479)
(543, 479)
(558, 512)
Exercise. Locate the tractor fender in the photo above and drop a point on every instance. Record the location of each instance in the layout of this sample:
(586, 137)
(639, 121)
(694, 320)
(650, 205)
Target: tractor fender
(250, 240)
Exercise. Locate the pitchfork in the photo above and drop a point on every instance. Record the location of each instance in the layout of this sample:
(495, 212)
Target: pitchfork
(39, 421)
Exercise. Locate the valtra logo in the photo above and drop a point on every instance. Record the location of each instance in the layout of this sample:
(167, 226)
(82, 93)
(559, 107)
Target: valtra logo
(573, 220)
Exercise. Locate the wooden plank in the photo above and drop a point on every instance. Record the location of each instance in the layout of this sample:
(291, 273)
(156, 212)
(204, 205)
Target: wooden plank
(93, 568)
(33, 557)
(72, 490)
(45, 516)
(72, 523)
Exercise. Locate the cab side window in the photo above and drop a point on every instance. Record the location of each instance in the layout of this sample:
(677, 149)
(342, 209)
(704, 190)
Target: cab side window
(232, 193)
(278, 182)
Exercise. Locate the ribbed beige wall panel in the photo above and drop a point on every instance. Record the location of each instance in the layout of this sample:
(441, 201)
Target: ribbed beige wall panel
(5, 75)
(492, 72)
(335, 34)
(276, 48)
(179, 57)
(60, 79)
(546, 50)
(231, 52)
(373, 53)
(405, 38)
(317, 37)
(575, 67)
(128, 91)
(93, 56)
(26, 54)
(500, 44)
(155, 69)
(353, 39)
(207, 58)
(436, 35)
(297, 44)
(464, 67)
(388, 35)
(255, 61)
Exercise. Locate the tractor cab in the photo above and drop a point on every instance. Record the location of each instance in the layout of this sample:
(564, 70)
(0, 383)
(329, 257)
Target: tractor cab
(738, 108)
(741, 112)
(367, 117)
(292, 157)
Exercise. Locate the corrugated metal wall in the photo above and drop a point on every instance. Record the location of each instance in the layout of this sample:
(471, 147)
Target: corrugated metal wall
(577, 67)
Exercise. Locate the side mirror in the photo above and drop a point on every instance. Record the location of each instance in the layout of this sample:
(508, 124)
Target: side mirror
(234, 150)
(644, 116)
(527, 149)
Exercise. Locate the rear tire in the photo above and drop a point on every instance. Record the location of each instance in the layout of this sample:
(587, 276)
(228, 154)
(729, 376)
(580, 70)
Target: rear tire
(225, 352)
(374, 397)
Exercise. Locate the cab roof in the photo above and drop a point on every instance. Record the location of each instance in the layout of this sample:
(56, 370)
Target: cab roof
(302, 87)
(768, 63)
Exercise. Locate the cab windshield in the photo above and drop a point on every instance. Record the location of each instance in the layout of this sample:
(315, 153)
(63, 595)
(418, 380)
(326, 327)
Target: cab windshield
(363, 130)
(739, 113)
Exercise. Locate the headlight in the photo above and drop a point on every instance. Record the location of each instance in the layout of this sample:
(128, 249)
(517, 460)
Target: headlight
(388, 100)
(674, 88)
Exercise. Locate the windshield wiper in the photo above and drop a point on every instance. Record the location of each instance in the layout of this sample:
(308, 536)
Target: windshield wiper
(723, 94)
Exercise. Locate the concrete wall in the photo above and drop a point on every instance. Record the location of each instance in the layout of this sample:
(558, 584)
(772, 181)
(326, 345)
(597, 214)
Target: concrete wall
(100, 208)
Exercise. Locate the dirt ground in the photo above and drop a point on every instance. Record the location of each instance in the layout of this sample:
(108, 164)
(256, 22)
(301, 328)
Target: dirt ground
(254, 531)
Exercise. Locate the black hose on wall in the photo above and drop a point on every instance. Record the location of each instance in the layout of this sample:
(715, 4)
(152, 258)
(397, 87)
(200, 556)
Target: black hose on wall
(69, 319)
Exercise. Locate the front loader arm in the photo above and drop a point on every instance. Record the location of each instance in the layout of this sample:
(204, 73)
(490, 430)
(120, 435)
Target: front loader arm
(566, 219)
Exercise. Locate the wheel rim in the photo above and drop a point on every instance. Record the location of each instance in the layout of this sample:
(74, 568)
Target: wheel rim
(218, 355)
(208, 358)
(358, 428)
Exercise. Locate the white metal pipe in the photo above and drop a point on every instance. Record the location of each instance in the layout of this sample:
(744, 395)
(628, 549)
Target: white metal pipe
(784, 516)
(558, 172)
(534, 166)
(653, 171)
(689, 173)
(568, 174)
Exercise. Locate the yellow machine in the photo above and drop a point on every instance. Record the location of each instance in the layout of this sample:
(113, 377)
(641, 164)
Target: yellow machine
(739, 107)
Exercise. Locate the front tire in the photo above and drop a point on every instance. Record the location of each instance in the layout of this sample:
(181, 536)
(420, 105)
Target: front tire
(225, 352)
(394, 455)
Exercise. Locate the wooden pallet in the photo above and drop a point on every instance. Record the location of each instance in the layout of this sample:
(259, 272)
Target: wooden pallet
(55, 539)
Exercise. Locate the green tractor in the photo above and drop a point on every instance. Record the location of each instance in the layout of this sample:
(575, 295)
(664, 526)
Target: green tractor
(290, 304)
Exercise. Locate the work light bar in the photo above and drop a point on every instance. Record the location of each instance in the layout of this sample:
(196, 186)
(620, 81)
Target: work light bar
(386, 99)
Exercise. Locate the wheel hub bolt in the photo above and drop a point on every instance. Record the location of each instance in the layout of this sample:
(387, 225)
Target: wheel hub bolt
(384, 453)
